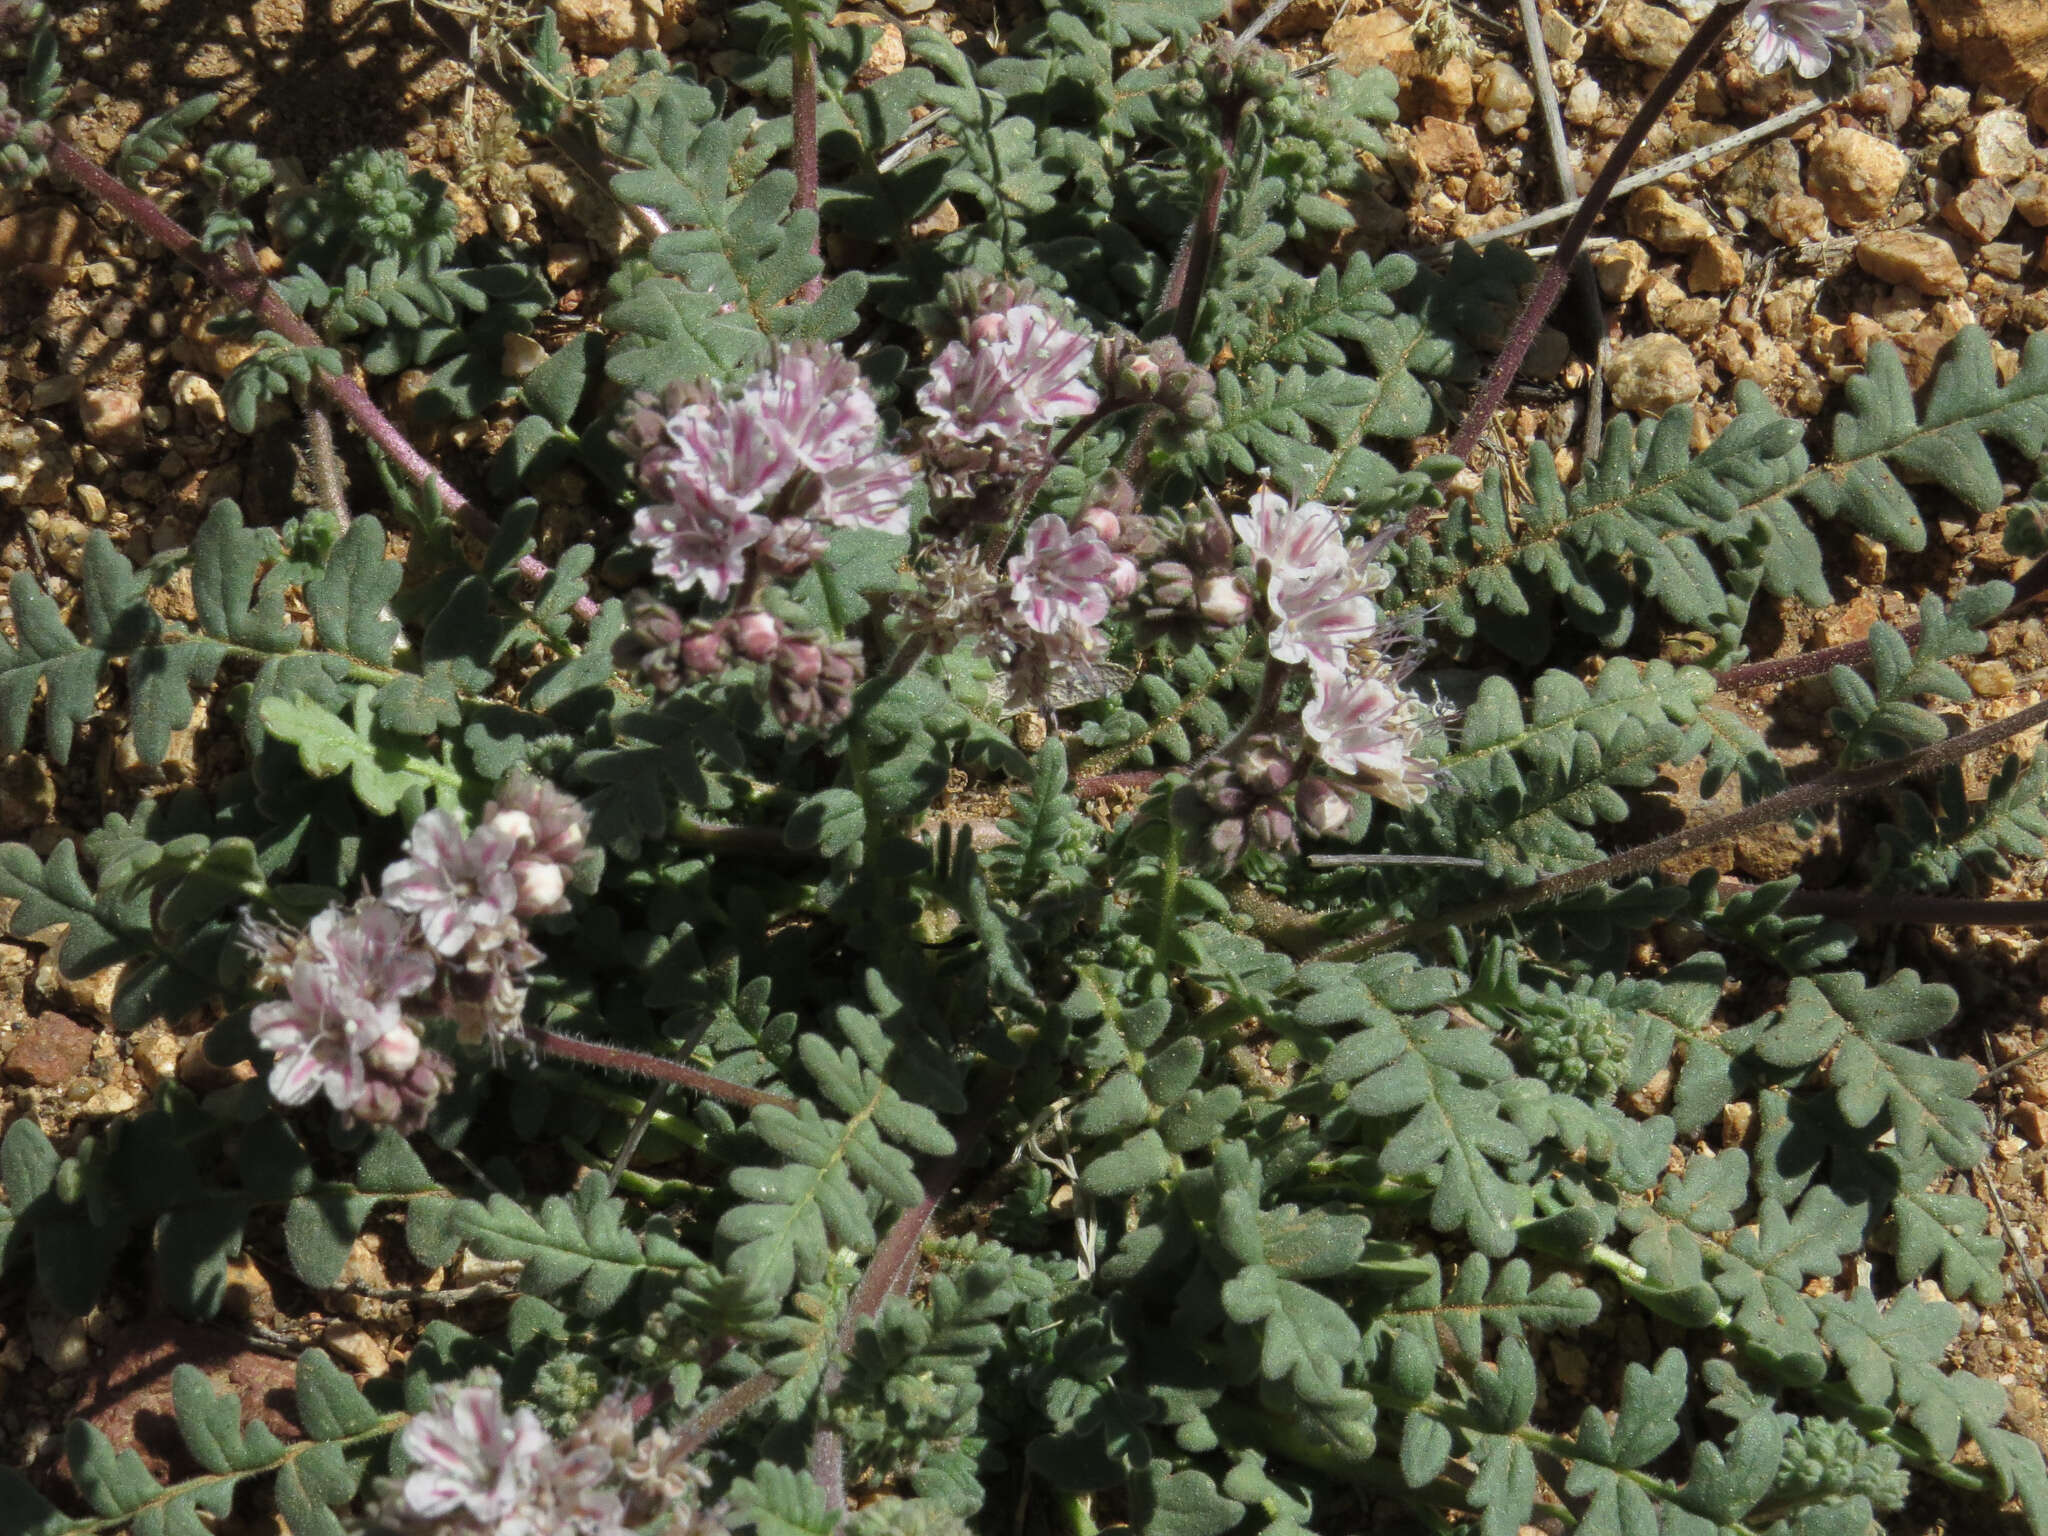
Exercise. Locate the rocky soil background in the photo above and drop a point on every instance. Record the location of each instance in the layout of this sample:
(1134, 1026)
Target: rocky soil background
(1909, 210)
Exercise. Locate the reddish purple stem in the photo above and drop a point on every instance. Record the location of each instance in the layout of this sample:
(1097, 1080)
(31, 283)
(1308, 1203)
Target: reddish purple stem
(252, 292)
(660, 1068)
(1479, 414)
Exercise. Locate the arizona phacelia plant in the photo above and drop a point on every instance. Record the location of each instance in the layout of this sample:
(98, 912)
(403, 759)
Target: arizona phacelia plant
(1032, 931)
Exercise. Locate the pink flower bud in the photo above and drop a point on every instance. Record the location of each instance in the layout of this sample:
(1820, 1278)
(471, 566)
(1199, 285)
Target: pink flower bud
(800, 662)
(756, 633)
(1123, 579)
(1271, 827)
(1322, 807)
(1224, 602)
(543, 886)
(704, 655)
(1105, 523)
(395, 1053)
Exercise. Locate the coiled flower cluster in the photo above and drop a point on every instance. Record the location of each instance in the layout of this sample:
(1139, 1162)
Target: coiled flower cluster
(807, 678)
(447, 938)
(745, 485)
(1319, 604)
(478, 1466)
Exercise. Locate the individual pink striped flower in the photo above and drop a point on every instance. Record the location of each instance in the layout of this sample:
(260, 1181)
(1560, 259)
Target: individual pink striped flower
(1066, 575)
(1368, 727)
(1295, 540)
(816, 405)
(374, 949)
(461, 887)
(329, 1039)
(1803, 33)
(1018, 368)
(697, 543)
(1319, 618)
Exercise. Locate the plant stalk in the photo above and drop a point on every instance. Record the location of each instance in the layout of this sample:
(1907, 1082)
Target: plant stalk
(2032, 583)
(1543, 298)
(252, 292)
(660, 1068)
(1812, 795)
(803, 127)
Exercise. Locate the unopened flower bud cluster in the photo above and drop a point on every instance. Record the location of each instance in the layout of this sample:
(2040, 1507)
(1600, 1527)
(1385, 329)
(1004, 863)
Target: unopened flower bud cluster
(480, 1467)
(447, 937)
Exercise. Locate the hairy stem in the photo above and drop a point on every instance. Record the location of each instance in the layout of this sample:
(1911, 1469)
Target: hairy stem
(1812, 795)
(2033, 582)
(803, 126)
(252, 292)
(1190, 276)
(1550, 285)
(660, 1068)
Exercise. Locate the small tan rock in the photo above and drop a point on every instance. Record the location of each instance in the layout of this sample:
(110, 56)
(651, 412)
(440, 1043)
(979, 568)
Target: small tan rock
(1563, 39)
(1716, 267)
(1886, 98)
(1650, 374)
(50, 1051)
(1380, 40)
(357, 1348)
(1504, 98)
(1990, 679)
(1795, 218)
(1582, 103)
(886, 51)
(246, 1294)
(28, 793)
(1647, 34)
(195, 398)
(39, 242)
(1980, 211)
(1736, 1118)
(154, 1050)
(605, 27)
(1923, 262)
(112, 418)
(2002, 44)
(1446, 148)
(1671, 308)
(2031, 1121)
(61, 1341)
(2030, 199)
(1663, 222)
(2000, 146)
(1855, 175)
(2037, 107)
(1444, 89)
(1621, 268)
(117, 1098)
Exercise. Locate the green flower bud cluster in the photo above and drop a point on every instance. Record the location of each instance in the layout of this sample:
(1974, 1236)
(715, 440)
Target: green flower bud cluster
(1577, 1046)
(1827, 1460)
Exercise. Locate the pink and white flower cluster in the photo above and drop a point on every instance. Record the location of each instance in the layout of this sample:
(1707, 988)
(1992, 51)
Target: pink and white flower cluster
(1045, 625)
(753, 479)
(448, 936)
(480, 1467)
(1321, 600)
